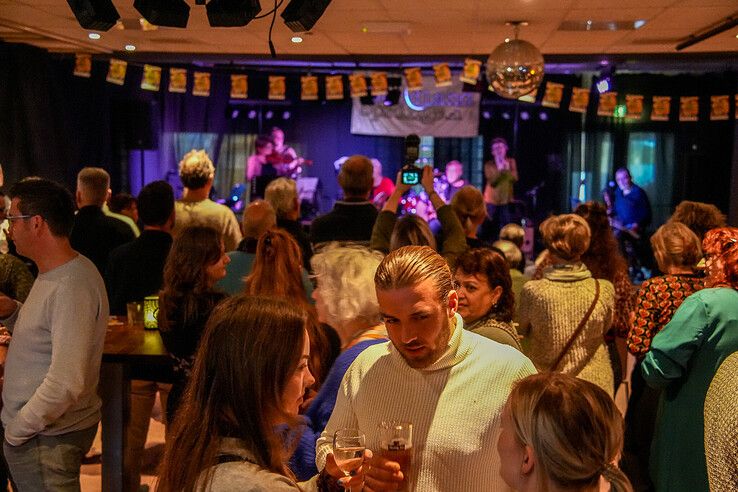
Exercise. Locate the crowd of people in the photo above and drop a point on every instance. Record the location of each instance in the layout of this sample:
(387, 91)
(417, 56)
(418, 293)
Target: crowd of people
(280, 336)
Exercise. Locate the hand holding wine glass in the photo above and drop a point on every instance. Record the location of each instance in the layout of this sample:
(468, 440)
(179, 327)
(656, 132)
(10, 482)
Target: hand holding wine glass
(348, 451)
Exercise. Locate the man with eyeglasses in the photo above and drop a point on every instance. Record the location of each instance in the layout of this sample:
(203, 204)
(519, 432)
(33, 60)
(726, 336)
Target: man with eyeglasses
(50, 404)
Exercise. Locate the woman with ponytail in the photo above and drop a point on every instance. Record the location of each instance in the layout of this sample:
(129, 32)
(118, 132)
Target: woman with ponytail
(560, 433)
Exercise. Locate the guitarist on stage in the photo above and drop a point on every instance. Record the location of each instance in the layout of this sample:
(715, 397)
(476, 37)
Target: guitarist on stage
(632, 216)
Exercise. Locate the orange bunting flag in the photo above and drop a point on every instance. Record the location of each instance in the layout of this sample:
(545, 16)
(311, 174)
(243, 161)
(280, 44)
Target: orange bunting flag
(442, 74)
(553, 95)
(334, 87)
(309, 88)
(117, 71)
(201, 87)
(239, 86)
(357, 82)
(277, 87)
(606, 106)
(178, 80)
(83, 65)
(719, 108)
(661, 108)
(579, 100)
(633, 106)
(379, 84)
(414, 78)
(471, 71)
(689, 108)
(151, 79)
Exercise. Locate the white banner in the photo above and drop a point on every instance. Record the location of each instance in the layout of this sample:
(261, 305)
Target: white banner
(432, 111)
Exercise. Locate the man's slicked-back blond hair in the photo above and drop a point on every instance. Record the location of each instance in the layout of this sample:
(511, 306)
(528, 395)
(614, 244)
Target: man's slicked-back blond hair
(412, 265)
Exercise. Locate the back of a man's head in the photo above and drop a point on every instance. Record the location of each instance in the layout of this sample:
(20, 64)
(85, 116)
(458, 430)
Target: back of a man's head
(50, 200)
(282, 196)
(411, 265)
(155, 203)
(196, 169)
(258, 217)
(93, 184)
(356, 177)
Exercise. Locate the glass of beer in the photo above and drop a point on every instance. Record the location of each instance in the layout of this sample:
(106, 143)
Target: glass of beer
(396, 444)
(348, 450)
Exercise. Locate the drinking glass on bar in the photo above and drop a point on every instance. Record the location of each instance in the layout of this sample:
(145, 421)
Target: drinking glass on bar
(396, 444)
(348, 450)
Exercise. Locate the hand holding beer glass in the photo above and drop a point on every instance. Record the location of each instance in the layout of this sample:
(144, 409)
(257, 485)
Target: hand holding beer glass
(396, 445)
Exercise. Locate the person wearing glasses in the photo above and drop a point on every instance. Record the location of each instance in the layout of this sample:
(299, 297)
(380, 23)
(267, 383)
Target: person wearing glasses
(51, 407)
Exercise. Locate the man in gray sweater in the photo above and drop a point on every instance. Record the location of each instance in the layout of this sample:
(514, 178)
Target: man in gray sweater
(50, 403)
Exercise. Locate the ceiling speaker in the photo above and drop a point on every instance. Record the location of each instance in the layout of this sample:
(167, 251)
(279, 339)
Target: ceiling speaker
(98, 15)
(232, 13)
(169, 13)
(301, 15)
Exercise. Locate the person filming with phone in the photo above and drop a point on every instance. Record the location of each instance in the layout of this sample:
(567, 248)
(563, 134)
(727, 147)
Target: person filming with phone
(389, 233)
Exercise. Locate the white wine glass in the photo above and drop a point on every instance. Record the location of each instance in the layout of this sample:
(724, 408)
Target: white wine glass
(348, 451)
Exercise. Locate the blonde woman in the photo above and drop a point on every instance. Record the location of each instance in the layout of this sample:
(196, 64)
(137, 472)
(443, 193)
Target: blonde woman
(567, 312)
(560, 433)
(468, 203)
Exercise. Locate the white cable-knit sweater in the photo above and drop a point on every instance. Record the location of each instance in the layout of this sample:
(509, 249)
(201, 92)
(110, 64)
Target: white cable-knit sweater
(454, 406)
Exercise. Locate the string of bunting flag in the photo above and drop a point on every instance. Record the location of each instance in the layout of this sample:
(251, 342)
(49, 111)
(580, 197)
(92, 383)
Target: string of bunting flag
(358, 87)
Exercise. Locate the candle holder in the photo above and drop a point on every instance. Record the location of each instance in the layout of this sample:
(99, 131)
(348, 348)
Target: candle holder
(151, 311)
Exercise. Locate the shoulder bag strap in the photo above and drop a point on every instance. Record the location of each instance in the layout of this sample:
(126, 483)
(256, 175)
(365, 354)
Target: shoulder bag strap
(579, 329)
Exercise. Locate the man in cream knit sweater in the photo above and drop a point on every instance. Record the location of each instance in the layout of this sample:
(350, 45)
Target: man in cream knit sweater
(451, 384)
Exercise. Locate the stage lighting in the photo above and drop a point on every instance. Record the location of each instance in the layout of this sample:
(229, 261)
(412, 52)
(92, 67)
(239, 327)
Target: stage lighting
(98, 15)
(301, 15)
(169, 13)
(604, 83)
(232, 13)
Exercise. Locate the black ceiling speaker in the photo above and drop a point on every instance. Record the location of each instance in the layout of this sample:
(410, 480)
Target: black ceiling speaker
(169, 13)
(232, 13)
(98, 15)
(301, 15)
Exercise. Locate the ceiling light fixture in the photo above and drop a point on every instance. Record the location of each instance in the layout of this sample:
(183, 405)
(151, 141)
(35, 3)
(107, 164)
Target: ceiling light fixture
(98, 15)
(130, 47)
(722, 26)
(514, 68)
(93, 35)
(301, 15)
(297, 39)
(169, 13)
(232, 13)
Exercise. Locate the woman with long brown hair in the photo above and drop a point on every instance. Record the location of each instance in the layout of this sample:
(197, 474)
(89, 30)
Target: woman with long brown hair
(248, 381)
(196, 261)
(277, 272)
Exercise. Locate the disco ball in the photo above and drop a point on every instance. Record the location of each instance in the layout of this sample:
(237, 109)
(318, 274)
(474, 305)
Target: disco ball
(514, 69)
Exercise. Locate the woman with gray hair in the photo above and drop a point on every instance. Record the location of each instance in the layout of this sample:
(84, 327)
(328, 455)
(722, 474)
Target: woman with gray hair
(345, 299)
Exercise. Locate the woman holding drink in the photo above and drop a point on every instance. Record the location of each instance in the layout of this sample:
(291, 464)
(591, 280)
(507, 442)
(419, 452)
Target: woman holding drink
(249, 379)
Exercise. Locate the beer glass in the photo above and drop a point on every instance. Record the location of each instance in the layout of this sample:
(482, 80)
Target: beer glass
(396, 444)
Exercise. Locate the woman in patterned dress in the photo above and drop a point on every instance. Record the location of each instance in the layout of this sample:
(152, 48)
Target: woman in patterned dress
(677, 251)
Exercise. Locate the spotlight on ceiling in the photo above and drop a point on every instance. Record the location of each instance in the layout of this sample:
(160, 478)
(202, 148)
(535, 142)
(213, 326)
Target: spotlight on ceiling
(98, 15)
(232, 13)
(301, 15)
(169, 13)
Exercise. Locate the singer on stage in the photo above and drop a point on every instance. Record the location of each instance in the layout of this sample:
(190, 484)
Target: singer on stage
(500, 173)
